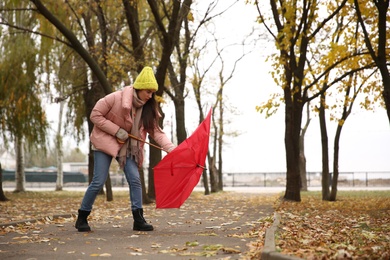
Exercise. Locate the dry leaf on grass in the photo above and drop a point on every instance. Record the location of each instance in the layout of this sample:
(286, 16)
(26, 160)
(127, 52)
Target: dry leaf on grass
(357, 225)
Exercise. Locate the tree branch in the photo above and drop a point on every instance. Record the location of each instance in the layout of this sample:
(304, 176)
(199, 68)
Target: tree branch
(36, 33)
(76, 45)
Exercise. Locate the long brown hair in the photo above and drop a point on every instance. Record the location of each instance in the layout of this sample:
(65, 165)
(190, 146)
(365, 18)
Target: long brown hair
(150, 115)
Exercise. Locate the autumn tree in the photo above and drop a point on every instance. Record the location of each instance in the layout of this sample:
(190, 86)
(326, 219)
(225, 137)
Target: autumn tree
(352, 77)
(296, 27)
(373, 18)
(85, 46)
(42, 28)
(349, 27)
(360, 80)
(95, 23)
(353, 85)
(155, 28)
(24, 120)
(112, 53)
(113, 40)
(332, 58)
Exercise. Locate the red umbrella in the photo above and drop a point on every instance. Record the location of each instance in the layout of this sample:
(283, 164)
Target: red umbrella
(176, 175)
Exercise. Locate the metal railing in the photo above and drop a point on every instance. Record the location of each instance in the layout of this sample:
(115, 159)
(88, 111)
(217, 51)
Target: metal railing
(258, 179)
(278, 179)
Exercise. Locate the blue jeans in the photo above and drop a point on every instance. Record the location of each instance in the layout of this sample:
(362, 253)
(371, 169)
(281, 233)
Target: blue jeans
(100, 173)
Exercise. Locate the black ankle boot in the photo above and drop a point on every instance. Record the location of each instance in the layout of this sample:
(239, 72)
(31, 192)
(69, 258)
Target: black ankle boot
(139, 221)
(82, 222)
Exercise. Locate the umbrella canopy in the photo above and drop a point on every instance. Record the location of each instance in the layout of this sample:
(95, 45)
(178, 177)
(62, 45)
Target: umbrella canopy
(176, 175)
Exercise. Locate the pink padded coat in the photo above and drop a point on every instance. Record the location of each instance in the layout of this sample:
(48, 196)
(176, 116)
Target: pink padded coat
(113, 112)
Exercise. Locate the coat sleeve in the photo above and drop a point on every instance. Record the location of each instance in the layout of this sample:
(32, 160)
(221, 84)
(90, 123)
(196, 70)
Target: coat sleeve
(101, 115)
(161, 138)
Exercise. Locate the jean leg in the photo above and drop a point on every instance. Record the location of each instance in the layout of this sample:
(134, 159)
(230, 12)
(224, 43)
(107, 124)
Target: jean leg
(102, 163)
(134, 181)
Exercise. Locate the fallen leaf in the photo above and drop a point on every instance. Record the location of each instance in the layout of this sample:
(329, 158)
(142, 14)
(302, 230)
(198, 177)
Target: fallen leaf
(228, 250)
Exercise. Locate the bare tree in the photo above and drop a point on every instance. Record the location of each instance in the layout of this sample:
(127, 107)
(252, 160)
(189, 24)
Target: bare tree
(225, 72)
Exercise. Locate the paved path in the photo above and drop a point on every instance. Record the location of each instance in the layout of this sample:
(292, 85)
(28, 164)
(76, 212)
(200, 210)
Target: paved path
(208, 227)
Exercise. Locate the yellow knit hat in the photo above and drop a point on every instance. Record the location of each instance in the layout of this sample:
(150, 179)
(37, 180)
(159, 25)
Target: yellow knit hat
(146, 80)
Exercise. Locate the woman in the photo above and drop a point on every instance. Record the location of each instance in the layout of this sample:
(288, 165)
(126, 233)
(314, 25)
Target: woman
(131, 110)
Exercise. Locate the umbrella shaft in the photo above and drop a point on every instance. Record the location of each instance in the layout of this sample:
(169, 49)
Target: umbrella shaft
(139, 139)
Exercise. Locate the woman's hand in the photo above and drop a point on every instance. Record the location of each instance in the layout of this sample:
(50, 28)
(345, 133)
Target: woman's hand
(122, 135)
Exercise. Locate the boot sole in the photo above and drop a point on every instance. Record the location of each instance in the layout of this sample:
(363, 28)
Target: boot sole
(83, 229)
(140, 229)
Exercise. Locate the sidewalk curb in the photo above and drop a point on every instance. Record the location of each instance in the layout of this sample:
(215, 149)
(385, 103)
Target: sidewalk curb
(23, 222)
(269, 251)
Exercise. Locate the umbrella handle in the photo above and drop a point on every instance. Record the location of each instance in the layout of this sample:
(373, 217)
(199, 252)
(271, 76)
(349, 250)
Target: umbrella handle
(139, 139)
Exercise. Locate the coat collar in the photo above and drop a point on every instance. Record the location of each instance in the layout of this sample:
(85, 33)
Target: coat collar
(127, 97)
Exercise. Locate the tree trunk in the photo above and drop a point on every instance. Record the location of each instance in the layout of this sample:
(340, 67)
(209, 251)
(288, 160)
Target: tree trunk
(220, 141)
(90, 165)
(211, 156)
(336, 152)
(205, 183)
(20, 177)
(181, 132)
(386, 96)
(302, 157)
(335, 176)
(60, 173)
(293, 118)
(325, 151)
(99, 85)
(110, 195)
(213, 175)
(2, 195)
(91, 96)
(132, 19)
(146, 198)
(302, 165)
(155, 154)
(170, 36)
(154, 158)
